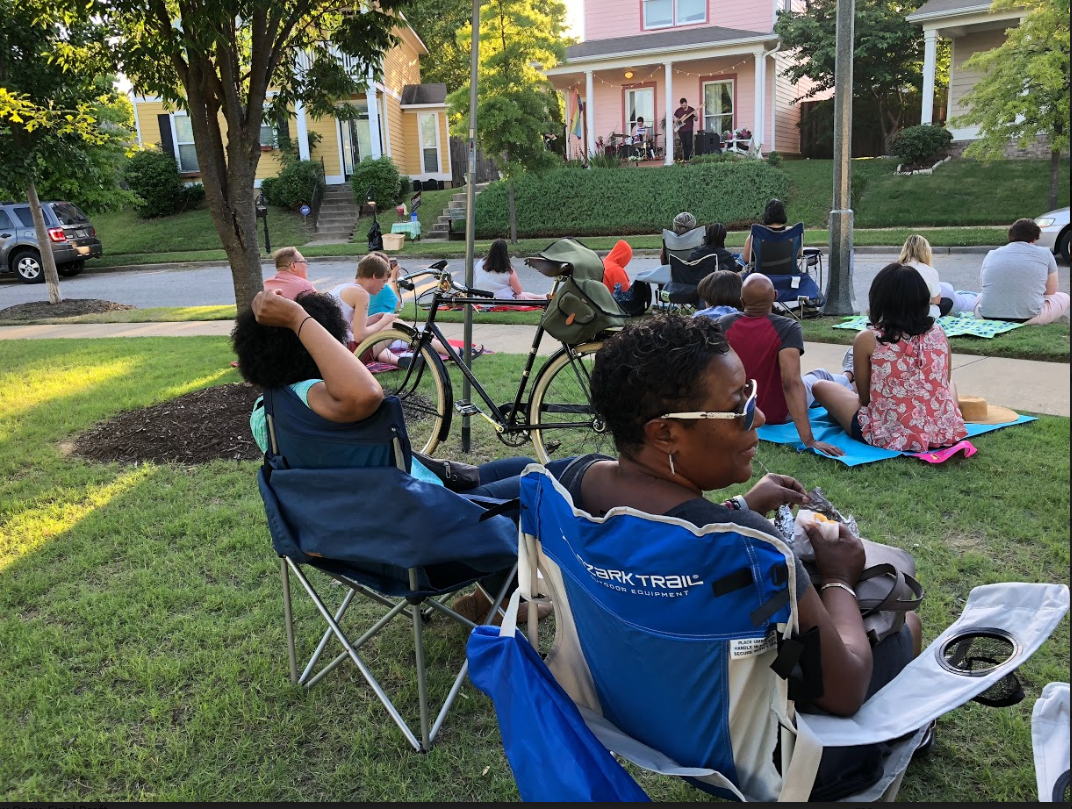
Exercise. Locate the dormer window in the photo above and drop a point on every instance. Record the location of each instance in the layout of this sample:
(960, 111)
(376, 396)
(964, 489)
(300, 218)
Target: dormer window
(670, 13)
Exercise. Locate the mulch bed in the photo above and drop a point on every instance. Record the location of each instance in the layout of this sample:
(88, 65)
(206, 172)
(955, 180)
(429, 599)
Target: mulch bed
(40, 310)
(206, 425)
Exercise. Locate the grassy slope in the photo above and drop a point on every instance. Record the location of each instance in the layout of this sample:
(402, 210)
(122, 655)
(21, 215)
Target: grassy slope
(142, 635)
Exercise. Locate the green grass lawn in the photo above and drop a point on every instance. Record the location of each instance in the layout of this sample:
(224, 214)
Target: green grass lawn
(958, 193)
(1044, 343)
(141, 625)
(124, 233)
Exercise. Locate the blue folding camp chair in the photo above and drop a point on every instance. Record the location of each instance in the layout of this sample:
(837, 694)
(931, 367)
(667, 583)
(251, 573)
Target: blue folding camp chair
(679, 644)
(339, 499)
(777, 254)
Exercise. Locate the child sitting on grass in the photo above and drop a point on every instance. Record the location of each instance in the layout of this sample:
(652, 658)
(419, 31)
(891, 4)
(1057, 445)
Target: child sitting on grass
(721, 293)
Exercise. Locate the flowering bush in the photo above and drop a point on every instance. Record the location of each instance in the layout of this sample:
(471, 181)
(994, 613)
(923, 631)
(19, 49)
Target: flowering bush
(743, 134)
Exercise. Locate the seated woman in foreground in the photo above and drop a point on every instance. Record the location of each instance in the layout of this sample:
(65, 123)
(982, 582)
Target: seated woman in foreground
(905, 399)
(665, 464)
(301, 345)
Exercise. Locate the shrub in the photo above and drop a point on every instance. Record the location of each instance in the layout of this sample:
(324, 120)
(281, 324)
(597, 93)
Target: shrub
(628, 201)
(918, 144)
(774, 159)
(294, 184)
(154, 177)
(193, 196)
(383, 174)
(720, 157)
(605, 161)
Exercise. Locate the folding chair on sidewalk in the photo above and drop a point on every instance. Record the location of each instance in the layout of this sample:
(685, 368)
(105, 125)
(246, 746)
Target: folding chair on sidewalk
(339, 498)
(679, 646)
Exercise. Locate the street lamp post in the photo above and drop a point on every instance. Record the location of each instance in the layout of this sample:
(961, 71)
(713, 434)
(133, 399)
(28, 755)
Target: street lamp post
(470, 215)
(839, 293)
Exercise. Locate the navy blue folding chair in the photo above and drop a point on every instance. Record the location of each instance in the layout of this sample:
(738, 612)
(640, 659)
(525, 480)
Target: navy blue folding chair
(777, 254)
(339, 498)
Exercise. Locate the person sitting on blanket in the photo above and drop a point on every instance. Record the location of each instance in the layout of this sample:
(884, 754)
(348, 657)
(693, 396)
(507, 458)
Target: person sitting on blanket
(301, 345)
(905, 399)
(945, 300)
(615, 277)
(770, 346)
(388, 299)
(494, 274)
(1020, 281)
(721, 293)
(683, 413)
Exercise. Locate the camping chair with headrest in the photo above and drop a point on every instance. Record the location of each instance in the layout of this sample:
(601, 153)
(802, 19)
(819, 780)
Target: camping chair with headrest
(680, 245)
(679, 645)
(339, 499)
(685, 276)
(777, 254)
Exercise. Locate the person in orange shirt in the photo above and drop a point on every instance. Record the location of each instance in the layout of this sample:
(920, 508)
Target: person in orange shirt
(614, 266)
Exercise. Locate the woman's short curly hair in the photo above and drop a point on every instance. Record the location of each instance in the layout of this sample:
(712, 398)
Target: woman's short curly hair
(651, 367)
(272, 356)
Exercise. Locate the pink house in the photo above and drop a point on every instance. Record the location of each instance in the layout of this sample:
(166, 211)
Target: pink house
(639, 57)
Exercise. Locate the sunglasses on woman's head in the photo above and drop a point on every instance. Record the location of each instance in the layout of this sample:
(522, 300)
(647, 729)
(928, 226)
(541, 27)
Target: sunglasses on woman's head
(747, 412)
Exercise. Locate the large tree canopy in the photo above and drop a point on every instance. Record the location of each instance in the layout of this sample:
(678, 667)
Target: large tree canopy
(438, 23)
(232, 63)
(1024, 91)
(887, 53)
(50, 102)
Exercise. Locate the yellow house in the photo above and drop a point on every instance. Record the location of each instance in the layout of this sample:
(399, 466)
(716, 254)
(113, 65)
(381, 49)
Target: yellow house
(398, 117)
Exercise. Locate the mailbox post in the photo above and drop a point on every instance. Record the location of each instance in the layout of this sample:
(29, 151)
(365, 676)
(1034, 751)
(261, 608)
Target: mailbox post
(262, 213)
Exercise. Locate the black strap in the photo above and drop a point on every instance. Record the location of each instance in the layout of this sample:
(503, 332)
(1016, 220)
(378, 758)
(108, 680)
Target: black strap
(762, 613)
(493, 508)
(732, 582)
(802, 666)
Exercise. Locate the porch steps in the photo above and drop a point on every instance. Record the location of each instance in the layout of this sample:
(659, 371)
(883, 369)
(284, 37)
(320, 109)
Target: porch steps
(456, 208)
(338, 216)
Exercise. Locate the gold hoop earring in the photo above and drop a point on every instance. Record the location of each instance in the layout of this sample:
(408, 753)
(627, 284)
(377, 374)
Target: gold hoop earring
(670, 455)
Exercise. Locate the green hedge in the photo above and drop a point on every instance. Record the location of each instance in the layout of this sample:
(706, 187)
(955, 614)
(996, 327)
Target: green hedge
(629, 200)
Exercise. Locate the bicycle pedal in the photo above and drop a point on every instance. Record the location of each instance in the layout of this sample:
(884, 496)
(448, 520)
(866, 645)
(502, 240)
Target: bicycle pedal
(467, 409)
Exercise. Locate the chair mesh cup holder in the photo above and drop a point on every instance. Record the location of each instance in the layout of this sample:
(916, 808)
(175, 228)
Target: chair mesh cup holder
(977, 652)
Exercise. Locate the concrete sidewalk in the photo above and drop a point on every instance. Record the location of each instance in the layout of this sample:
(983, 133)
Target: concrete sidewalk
(1034, 387)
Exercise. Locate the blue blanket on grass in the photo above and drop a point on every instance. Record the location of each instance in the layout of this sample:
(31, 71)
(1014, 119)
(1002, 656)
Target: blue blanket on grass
(857, 453)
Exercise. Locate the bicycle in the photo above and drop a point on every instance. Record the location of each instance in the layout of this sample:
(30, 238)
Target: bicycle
(558, 414)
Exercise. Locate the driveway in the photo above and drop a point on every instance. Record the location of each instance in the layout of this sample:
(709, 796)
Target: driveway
(212, 285)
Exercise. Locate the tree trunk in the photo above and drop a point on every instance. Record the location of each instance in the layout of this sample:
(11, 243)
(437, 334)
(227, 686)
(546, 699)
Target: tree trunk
(48, 261)
(1055, 173)
(513, 216)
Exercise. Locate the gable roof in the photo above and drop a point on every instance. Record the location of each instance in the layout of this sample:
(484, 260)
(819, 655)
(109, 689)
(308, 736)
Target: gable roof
(424, 94)
(661, 40)
(948, 8)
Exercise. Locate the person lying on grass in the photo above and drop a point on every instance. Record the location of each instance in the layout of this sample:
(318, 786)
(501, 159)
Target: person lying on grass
(905, 399)
(299, 345)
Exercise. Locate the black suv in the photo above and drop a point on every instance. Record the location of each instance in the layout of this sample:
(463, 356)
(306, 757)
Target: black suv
(71, 234)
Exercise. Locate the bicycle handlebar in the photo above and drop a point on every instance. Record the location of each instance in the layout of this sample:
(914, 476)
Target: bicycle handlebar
(481, 293)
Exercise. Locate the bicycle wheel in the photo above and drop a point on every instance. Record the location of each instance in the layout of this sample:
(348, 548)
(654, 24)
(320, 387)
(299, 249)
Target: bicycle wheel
(561, 406)
(423, 388)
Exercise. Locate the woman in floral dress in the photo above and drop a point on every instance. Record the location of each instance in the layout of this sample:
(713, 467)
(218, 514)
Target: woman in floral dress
(906, 400)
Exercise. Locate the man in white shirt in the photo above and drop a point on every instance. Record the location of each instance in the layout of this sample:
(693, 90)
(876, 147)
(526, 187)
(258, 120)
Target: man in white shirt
(1020, 280)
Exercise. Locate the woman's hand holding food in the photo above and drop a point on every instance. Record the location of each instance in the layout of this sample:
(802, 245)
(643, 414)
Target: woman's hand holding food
(840, 559)
(773, 491)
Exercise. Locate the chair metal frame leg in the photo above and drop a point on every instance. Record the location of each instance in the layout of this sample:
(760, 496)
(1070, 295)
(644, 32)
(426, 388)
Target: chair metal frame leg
(418, 611)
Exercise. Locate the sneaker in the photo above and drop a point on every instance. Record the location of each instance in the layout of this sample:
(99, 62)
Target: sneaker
(846, 361)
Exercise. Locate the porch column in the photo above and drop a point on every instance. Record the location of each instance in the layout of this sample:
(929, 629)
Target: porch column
(670, 107)
(590, 111)
(761, 94)
(930, 47)
(373, 116)
(303, 130)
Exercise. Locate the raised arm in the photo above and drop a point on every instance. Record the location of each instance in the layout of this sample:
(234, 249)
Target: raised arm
(349, 391)
(796, 397)
(362, 325)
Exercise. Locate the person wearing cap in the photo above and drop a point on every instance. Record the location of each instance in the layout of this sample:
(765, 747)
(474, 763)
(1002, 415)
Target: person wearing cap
(290, 273)
(683, 223)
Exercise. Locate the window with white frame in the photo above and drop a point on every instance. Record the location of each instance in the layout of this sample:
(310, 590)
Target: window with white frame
(269, 136)
(640, 103)
(668, 13)
(429, 131)
(184, 144)
(718, 106)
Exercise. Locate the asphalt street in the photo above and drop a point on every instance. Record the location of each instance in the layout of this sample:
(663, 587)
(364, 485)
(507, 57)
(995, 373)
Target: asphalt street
(206, 286)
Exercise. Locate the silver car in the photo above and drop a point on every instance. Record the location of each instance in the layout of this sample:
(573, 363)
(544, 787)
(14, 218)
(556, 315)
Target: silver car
(72, 238)
(1055, 232)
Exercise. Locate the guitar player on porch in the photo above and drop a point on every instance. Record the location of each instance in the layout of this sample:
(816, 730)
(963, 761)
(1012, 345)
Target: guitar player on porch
(685, 123)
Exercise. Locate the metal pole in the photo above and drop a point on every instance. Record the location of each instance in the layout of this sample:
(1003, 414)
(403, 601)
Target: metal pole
(840, 299)
(470, 214)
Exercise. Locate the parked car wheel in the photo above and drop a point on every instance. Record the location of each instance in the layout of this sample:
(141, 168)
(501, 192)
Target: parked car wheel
(1063, 245)
(72, 269)
(27, 264)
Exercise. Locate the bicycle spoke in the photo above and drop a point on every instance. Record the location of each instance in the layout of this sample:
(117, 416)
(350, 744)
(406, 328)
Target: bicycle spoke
(561, 406)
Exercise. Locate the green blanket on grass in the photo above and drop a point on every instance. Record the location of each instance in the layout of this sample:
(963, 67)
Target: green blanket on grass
(952, 325)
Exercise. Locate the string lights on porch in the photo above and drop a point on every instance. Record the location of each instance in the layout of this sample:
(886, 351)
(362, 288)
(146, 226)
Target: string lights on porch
(661, 71)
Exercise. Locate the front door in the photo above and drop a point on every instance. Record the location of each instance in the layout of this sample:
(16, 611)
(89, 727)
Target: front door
(356, 139)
